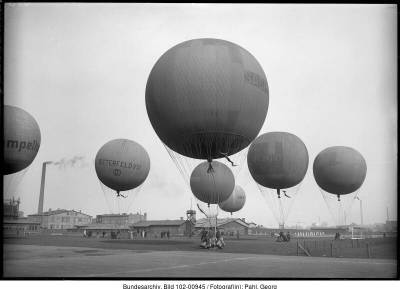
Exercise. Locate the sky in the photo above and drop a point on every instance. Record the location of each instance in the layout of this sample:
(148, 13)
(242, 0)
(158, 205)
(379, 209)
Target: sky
(81, 71)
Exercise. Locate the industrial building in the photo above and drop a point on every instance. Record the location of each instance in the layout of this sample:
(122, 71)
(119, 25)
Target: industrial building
(158, 229)
(111, 225)
(60, 219)
(20, 227)
(104, 231)
(11, 209)
(14, 224)
(120, 219)
(230, 226)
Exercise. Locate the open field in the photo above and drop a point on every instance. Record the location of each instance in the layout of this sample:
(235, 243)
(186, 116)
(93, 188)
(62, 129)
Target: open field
(318, 247)
(73, 256)
(53, 261)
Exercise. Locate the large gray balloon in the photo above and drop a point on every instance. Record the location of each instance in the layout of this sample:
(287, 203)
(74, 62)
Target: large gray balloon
(206, 98)
(340, 170)
(21, 139)
(278, 160)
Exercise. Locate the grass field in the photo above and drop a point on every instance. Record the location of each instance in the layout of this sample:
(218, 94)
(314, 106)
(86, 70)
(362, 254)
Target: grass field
(318, 247)
(78, 257)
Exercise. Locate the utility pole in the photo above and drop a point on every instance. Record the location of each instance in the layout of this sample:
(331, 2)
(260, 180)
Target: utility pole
(361, 211)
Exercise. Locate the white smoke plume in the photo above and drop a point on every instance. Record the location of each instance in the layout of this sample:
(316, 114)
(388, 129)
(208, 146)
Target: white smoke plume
(75, 162)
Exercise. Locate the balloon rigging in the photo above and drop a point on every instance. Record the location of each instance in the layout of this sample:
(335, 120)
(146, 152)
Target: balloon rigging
(277, 161)
(339, 171)
(122, 165)
(207, 99)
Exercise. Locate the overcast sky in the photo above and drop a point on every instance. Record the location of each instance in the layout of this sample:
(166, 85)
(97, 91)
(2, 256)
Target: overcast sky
(81, 71)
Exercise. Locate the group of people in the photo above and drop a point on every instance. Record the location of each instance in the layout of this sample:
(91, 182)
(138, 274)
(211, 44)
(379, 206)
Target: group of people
(282, 237)
(208, 240)
(112, 234)
(164, 235)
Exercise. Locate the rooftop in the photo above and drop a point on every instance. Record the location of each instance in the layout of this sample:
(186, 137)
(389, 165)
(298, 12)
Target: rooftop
(103, 227)
(56, 212)
(19, 221)
(205, 223)
(119, 215)
(159, 223)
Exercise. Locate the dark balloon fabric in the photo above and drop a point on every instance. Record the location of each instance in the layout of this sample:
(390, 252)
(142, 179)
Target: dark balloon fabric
(21, 139)
(339, 170)
(235, 202)
(207, 97)
(122, 164)
(212, 186)
(277, 160)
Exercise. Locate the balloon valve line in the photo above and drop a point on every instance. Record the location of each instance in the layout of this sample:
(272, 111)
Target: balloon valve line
(210, 168)
(225, 155)
(120, 195)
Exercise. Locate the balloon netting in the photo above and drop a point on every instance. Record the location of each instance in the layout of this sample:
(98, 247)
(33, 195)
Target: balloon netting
(210, 145)
(280, 206)
(123, 204)
(339, 210)
(11, 183)
(186, 165)
(208, 211)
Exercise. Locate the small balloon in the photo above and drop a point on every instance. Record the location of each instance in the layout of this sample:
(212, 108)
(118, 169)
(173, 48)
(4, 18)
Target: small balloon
(235, 202)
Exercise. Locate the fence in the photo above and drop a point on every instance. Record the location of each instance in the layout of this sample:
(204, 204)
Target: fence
(348, 248)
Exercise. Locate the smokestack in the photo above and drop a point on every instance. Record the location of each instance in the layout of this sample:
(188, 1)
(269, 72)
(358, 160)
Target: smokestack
(42, 184)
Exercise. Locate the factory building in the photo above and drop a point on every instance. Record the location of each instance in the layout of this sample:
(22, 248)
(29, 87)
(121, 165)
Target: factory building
(14, 224)
(20, 227)
(108, 231)
(60, 219)
(163, 228)
(229, 226)
(120, 219)
(11, 209)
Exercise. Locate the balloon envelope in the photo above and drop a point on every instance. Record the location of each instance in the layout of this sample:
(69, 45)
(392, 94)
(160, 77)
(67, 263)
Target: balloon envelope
(205, 97)
(212, 186)
(339, 170)
(235, 202)
(122, 164)
(21, 139)
(278, 160)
